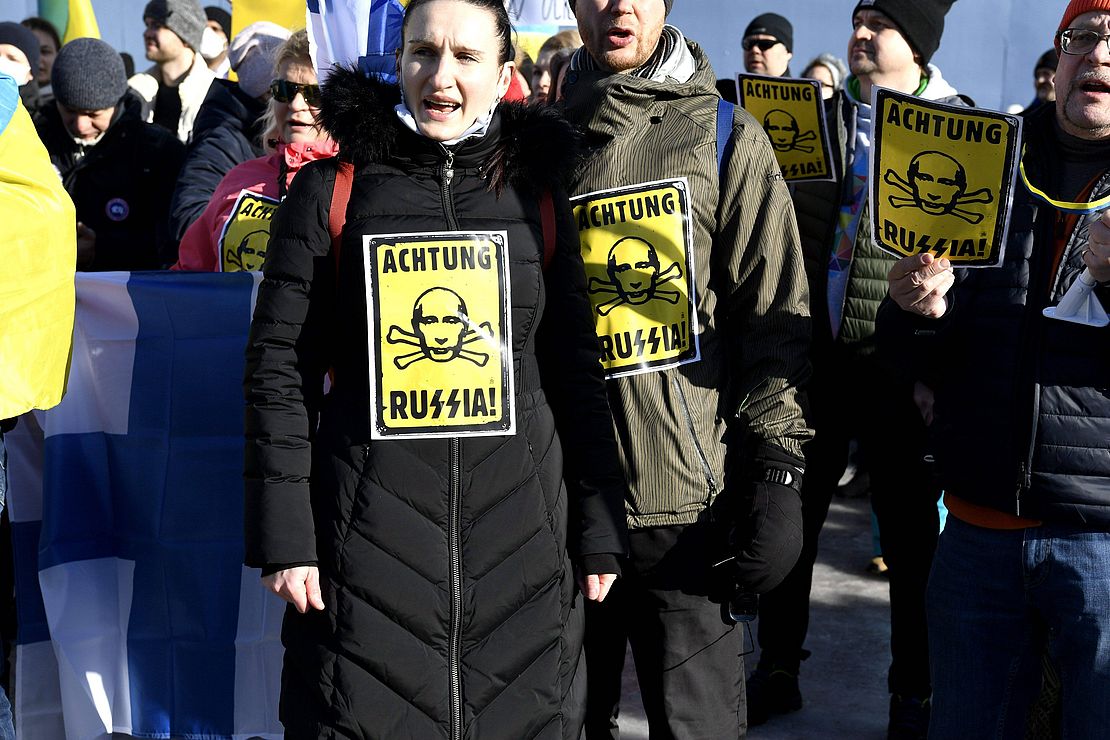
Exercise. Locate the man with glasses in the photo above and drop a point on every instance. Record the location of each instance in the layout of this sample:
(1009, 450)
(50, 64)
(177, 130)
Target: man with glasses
(851, 392)
(768, 46)
(1023, 564)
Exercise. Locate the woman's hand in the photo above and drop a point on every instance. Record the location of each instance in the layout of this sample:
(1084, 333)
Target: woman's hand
(299, 586)
(596, 587)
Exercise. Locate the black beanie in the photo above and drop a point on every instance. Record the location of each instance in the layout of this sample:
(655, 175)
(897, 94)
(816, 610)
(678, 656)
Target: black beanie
(921, 21)
(24, 39)
(668, 3)
(772, 24)
(221, 16)
(1048, 60)
(88, 74)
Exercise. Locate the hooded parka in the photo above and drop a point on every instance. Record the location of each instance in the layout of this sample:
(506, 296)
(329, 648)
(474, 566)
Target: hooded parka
(446, 564)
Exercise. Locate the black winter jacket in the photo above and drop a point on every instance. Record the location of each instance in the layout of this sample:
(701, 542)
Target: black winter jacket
(121, 186)
(451, 608)
(223, 137)
(1022, 410)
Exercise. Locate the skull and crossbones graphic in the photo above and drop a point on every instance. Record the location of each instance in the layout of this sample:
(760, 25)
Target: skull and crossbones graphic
(251, 251)
(937, 184)
(441, 329)
(635, 276)
(782, 128)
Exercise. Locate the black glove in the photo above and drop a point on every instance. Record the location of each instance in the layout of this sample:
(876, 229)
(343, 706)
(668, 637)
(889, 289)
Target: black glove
(766, 538)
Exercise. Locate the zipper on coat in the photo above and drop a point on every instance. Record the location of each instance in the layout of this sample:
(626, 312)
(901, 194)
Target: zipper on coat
(706, 468)
(454, 546)
(1038, 293)
(446, 175)
(454, 503)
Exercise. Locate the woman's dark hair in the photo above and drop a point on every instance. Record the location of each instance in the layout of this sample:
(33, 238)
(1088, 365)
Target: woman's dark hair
(41, 24)
(500, 18)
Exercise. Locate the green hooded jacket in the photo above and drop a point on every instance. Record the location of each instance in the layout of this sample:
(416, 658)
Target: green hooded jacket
(681, 428)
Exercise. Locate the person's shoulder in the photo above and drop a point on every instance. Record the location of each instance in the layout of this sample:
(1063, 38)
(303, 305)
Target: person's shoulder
(145, 84)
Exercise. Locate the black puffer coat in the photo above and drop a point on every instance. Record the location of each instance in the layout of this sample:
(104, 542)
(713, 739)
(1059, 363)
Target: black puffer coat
(451, 608)
(1022, 412)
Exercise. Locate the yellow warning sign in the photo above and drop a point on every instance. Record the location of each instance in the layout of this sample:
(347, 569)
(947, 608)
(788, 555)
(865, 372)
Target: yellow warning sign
(941, 178)
(792, 113)
(637, 247)
(246, 233)
(440, 334)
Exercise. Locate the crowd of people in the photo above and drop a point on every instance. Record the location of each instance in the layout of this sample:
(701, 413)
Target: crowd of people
(476, 583)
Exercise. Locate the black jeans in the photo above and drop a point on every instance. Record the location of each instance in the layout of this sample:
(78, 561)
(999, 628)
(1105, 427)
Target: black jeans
(858, 398)
(688, 657)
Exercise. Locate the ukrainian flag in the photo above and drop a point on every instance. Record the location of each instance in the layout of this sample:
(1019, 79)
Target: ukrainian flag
(38, 251)
(74, 19)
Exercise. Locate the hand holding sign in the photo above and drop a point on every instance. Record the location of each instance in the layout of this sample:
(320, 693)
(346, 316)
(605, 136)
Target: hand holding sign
(1097, 254)
(919, 283)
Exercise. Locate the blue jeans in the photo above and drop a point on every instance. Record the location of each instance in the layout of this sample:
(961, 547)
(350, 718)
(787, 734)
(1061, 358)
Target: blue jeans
(996, 600)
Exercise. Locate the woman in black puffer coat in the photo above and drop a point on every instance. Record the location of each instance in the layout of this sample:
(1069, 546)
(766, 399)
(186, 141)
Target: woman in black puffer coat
(432, 580)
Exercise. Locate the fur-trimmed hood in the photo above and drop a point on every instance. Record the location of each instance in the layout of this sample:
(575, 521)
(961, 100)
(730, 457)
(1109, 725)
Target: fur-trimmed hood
(536, 148)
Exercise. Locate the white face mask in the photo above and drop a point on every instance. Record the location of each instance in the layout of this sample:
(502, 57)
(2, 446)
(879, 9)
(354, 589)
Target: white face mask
(212, 44)
(21, 72)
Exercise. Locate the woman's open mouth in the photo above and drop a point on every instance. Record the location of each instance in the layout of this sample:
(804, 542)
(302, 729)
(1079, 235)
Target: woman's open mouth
(440, 110)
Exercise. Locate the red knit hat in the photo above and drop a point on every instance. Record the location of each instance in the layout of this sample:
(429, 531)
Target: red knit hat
(1077, 8)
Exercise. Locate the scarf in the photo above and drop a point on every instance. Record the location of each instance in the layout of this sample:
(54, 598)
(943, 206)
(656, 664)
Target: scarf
(671, 59)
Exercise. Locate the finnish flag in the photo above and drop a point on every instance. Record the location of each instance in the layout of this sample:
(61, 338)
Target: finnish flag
(135, 613)
(366, 32)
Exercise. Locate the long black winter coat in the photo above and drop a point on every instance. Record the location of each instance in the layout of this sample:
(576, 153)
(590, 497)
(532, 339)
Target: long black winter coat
(451, 607)
(121, 186)
(223, 137)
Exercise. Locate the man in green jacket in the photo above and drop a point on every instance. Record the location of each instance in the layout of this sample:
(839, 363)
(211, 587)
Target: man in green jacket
(698, 286)
(852, 394)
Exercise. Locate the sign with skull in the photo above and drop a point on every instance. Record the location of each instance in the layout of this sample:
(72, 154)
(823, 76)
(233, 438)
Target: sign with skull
(246, 233)
(792, 113)
(941, 178)
(637, 247)
(440, 334)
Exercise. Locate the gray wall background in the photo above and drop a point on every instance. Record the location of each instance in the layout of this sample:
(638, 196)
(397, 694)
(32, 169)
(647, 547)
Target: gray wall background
(988, 50)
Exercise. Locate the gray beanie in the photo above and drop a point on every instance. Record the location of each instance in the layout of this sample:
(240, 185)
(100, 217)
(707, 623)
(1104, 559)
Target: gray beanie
(88, 74)
(184, 17)
(252, 53)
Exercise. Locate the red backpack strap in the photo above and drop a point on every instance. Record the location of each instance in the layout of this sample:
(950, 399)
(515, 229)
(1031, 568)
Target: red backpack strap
(547, 217)
(337, 215)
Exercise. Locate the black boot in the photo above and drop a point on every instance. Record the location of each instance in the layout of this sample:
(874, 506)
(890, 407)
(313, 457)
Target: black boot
(772, 689)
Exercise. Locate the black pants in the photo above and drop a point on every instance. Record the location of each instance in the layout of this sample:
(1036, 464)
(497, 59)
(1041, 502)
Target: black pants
(688, 657)
(857, 398)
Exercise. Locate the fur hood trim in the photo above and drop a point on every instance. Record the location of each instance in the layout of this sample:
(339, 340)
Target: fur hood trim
(538, 148)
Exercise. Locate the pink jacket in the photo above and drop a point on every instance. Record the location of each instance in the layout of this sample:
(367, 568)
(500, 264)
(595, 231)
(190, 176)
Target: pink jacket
(234, 229)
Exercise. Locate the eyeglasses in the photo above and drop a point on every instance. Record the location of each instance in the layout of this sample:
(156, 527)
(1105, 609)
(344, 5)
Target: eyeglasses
(284, 91)
(1080, 41)
(763, 44)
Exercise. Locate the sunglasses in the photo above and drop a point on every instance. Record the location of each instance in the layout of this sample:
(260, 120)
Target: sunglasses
(763, 44)
(284, 91)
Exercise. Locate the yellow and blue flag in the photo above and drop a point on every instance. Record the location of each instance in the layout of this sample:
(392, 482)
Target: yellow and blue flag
(38, 250)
